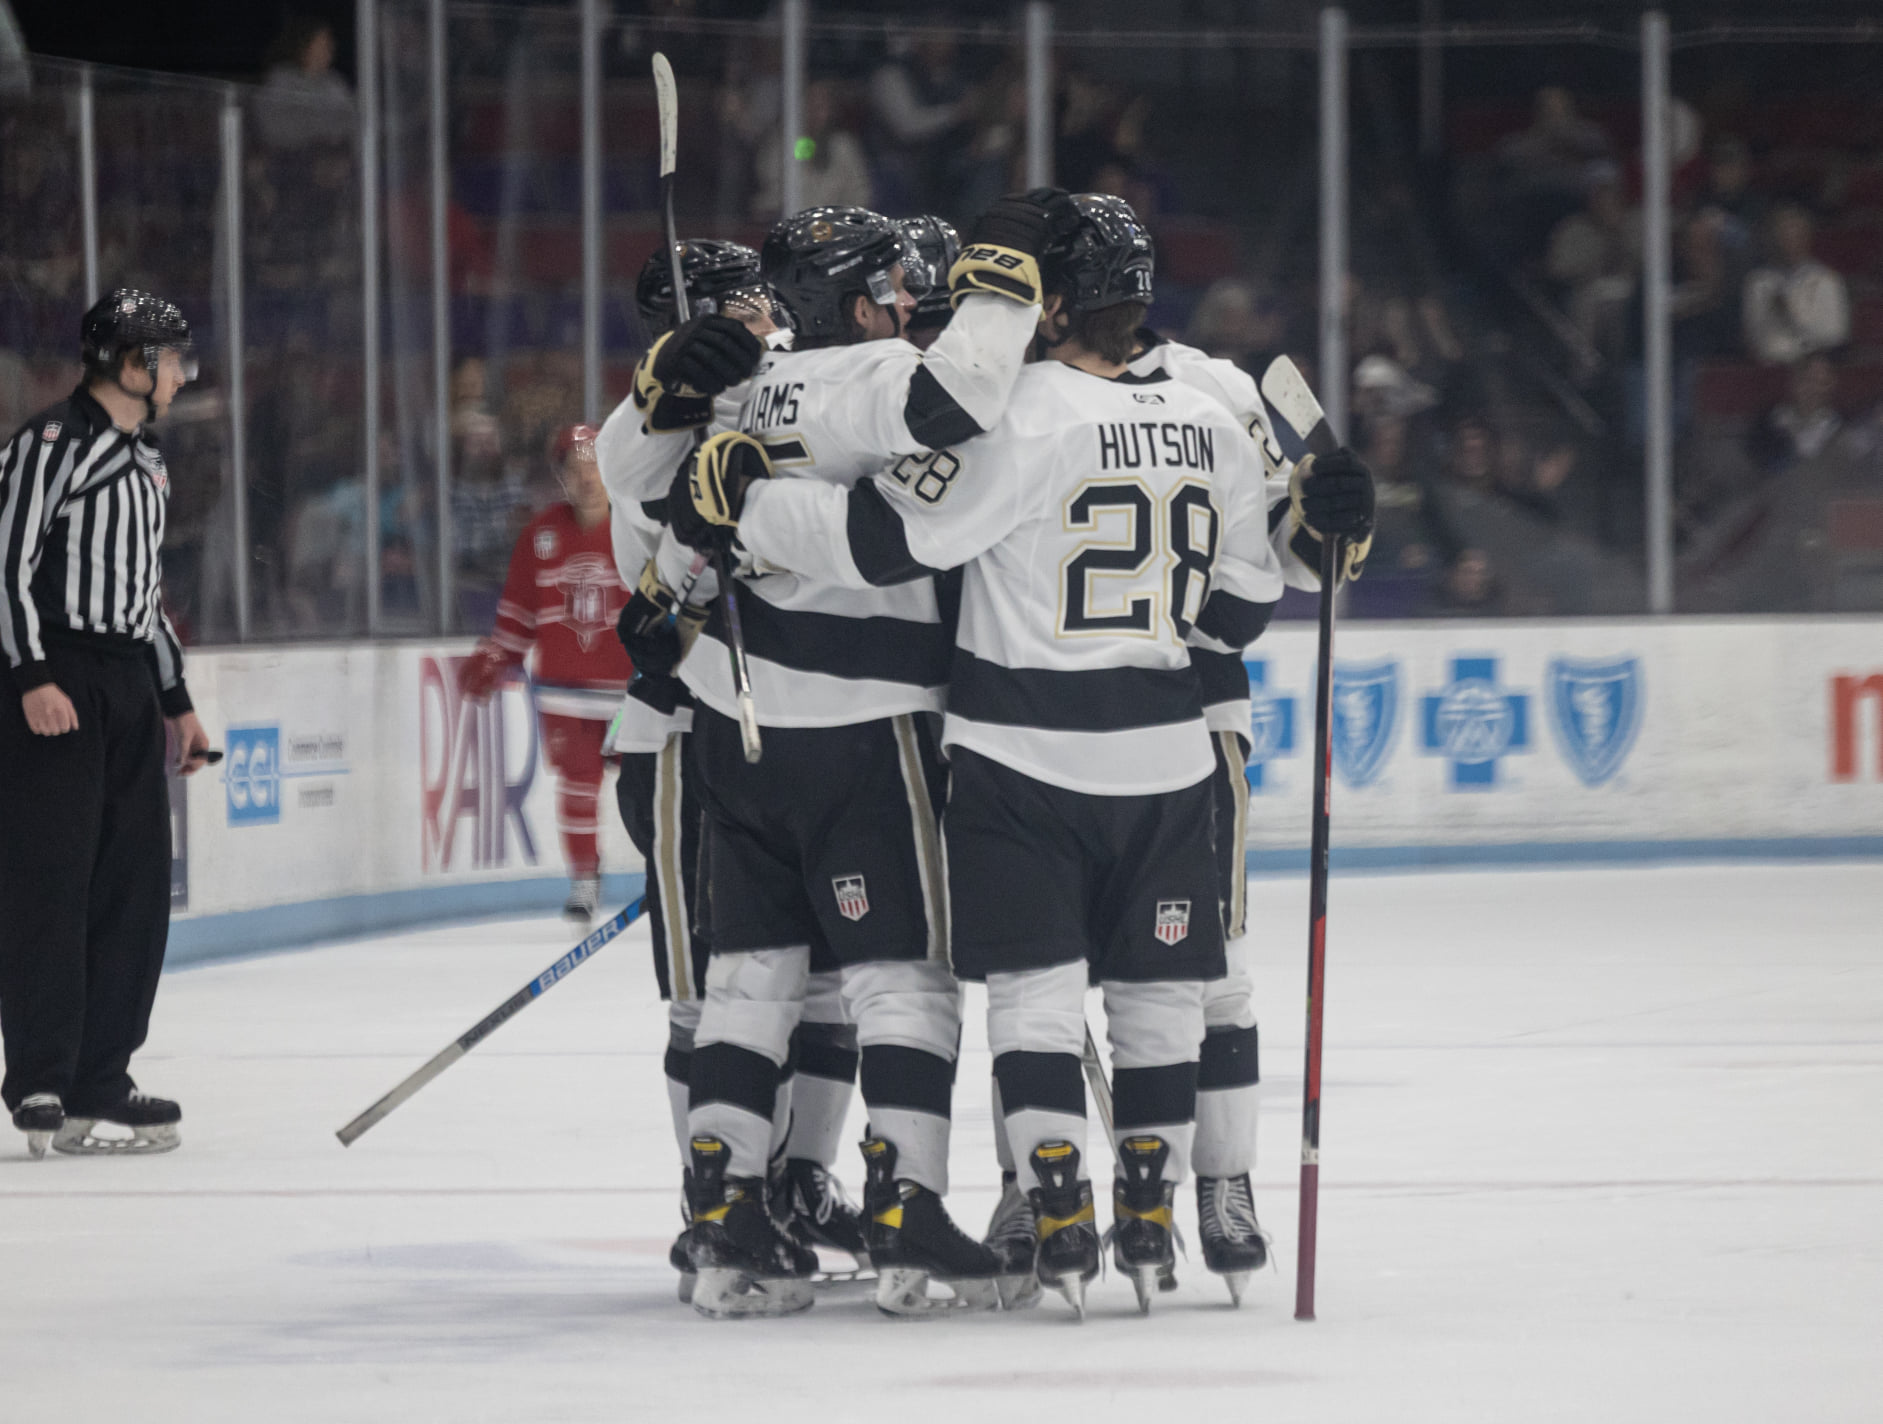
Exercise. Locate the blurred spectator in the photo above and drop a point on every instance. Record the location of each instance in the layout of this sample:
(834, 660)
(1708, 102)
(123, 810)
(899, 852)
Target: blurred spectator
(1544, 166)
(303, 102)
(489, 505)
(40, 252)
(1238, 322)
(1727, 191)
(921, 100)
(1595, 254)
(1084, 137)
(832, 171)
(1704, 303)
(1803, 425)
(1470, 588)
(1796, 305)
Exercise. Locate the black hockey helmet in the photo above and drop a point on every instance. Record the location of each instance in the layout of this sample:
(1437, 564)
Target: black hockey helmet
(821, 258)
(125, 319)
(930, 247)
(1107, 261)
(712, 270)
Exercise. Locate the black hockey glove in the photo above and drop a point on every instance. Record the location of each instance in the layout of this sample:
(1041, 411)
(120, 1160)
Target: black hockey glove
(1001, 257)
(706, 355)
(708, 494)
(646, 629)
(1332, 495)
(1028, 222)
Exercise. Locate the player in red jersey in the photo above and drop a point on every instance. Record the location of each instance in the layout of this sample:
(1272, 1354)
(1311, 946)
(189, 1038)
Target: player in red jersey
(562, 597)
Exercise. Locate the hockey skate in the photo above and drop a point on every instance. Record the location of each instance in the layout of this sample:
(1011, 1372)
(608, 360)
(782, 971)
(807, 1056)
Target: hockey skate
(743, 1264)
(1068, 1238)
(809, 1204)
(151, 1123)
(1234, 1244)
(39, 1116)
(677, 1256)
(1013, 1237)
(912, 1242)
(585, 898)
(1143, 1235)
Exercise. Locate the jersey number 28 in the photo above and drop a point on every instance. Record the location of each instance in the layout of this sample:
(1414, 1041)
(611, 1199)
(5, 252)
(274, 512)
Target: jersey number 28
(1177, 535)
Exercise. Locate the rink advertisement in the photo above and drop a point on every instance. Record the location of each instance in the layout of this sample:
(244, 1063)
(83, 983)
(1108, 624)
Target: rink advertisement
(355, 776)
(359, 784)
(1564, 740)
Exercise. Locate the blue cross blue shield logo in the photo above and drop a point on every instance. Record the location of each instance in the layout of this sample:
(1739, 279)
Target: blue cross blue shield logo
(1271, 723)
(1595, 708)
(1366, 714)
(1474, 722)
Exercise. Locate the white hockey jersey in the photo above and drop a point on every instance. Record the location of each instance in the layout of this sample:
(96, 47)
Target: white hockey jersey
(1224, 679)
(1101, 523)
(821, 654)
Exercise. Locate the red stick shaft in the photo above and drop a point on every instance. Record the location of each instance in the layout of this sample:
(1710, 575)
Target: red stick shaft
(1317, 944)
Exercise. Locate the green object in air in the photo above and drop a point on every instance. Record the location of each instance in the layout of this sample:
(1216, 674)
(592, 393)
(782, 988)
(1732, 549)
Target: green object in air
(804, 150)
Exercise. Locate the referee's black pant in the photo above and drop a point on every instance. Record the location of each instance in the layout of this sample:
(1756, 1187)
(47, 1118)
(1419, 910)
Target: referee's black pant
(84, 880)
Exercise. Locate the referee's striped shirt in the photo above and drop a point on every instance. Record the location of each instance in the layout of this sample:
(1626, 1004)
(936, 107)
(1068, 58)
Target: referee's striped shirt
(81, 527)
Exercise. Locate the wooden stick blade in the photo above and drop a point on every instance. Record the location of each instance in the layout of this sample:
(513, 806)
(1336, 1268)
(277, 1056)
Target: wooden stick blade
(1286, 390)
(667, 100)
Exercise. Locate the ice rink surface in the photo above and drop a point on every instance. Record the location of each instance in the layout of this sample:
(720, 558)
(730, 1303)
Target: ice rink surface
(1599, 1145)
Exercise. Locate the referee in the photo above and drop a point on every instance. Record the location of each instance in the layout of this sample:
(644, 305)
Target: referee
(96, 672)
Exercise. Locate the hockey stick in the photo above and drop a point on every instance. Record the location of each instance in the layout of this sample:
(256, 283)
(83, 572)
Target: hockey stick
(1285, 390)
(667, 99)
(1101, 1087)
(489, 1024)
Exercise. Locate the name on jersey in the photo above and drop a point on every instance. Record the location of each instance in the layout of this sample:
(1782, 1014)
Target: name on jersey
(1158, 444)
(776, 405)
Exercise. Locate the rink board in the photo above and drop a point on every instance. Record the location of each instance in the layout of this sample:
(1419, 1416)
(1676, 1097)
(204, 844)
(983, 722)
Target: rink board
(361, 792)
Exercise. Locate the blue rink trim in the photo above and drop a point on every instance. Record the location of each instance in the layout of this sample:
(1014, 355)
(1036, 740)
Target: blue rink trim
(1547, 854)
(241, 933)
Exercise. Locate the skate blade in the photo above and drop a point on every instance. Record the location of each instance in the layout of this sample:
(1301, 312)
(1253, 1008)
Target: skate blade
(1018, 1292)
(77, 1139)
(1073, 1289)
(845, 1283)
(1144, 1282)
(36, 1144)
(688, 1280)
(902, 1291)
(1238, 1282)
(723, 1293)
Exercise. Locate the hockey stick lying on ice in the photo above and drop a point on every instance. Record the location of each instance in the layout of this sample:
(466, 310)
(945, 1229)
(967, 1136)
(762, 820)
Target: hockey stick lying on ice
(489, 1024)
(1286, 391)
(667, 100)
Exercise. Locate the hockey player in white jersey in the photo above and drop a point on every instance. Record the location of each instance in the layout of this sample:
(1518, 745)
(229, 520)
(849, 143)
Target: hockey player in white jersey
(825, 854)
(1335, 494)
(655, 787)
(1104, 522)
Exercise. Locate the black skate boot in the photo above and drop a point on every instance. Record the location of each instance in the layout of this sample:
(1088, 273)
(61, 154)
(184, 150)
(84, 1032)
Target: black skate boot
(809, 1203)
(585, 898)
(912, 1241)
(677, 1256)
(743, 1263)
(1234, 1244)
(1143, 1234)
(39, 1116)
(1013, 1237)
(151, 1124)
(1068, 1237)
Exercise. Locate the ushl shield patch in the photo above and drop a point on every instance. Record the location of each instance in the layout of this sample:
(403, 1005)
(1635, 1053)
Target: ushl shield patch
(1173, 920)
(853, 897)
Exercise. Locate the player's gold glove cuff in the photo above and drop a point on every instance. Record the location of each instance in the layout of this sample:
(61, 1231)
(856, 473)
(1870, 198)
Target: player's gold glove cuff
(692, 618)
(1000, 271)
(722, 468)
(653, 587)
(679, 409)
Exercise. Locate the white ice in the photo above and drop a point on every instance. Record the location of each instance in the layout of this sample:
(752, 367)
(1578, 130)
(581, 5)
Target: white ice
(1599, 1145)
